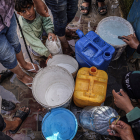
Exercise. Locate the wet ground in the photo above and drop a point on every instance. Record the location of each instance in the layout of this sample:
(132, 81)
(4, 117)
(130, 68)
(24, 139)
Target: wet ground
(12, 89)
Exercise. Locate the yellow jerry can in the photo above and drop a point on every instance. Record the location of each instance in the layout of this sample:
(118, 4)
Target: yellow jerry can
(90, 87)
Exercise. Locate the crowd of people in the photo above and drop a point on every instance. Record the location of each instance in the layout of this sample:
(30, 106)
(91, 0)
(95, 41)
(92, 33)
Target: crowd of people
(35, 21)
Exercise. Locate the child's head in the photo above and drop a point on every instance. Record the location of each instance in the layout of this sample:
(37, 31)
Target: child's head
(131, 84)
(25, 8)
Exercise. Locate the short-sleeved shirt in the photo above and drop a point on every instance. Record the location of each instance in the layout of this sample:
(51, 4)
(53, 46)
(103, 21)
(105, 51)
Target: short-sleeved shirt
(6, 12)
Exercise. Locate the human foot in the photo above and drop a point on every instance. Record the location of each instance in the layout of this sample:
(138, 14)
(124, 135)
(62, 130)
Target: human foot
(31, 67)
(69, 51)
(85, 7)
(18, 119)
(102, 8)
(27, 80)
(71, 33)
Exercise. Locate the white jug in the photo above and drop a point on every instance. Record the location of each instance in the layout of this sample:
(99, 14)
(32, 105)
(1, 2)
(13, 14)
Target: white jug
(54, 46)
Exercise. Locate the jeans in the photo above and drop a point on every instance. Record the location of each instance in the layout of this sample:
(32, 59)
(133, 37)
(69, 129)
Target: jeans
(96, 0)
(63, 12)
(9, 45)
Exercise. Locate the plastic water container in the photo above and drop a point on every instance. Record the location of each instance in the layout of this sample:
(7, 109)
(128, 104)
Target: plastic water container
(53, 87)
(64, 61)
(90, 87)
(91, 50)
(59, 124)
(54, 46)
(110, 28)
(98, 118)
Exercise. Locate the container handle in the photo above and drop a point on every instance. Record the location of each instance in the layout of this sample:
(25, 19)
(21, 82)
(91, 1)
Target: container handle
(80, 33)
(116, 118)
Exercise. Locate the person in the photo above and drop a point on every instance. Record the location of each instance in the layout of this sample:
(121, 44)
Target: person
(85, 7)
(14, 125)
(10, 47)
(131, 90)
(63, 12)
(32, 25)
(132, 41)
(122, 130)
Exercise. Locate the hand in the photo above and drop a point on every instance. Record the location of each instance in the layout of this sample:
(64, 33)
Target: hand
(41, 8)
(122, 130)
(53, 37)
(50, 56)
(131, 40)
(123, 102)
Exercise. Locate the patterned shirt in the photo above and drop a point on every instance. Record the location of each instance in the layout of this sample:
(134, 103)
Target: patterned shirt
(6, 12)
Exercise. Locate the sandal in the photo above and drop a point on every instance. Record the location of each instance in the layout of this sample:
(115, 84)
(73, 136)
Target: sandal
(22, 115)
(4, 74)
(85, 8)
(31, 70)
(27, 84)
(102, 8)
(7, 105)
(71, 34)
(34, 68)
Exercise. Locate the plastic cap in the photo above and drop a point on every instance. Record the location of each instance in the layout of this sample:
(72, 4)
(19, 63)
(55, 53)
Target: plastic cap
(93, 71)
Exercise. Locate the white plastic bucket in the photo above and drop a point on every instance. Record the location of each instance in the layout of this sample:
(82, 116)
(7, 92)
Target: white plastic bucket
(118, 48)
(53, 87)
(65, 61)
(54, 46)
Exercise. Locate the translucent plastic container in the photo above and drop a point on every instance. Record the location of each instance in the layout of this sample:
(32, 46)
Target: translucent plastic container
(59, 124)
(64, 61)
(54, 46)
(90, 87)
(53, 87)
(91, 50)
(98, 118)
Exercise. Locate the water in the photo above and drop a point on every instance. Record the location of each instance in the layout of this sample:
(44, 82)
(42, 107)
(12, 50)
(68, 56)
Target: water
(97, 118)
(57, 94)
(68, 67)
(110, 30)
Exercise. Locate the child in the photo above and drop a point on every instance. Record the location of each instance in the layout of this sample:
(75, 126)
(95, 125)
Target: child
(33, 25)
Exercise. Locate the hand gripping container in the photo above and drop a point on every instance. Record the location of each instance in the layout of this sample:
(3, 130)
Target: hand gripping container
(91, 50)
(90, 87)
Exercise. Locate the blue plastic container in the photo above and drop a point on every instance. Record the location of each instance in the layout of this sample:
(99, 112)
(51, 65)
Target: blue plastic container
(59, 124)
(91, 50)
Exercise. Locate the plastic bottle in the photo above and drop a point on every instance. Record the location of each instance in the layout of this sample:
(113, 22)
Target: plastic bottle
(98, 118)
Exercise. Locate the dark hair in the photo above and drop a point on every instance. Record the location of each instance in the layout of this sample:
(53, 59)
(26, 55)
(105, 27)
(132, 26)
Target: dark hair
(19, 4)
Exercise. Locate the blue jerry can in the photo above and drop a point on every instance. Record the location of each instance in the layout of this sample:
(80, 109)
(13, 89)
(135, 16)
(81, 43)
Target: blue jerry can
(91, 50)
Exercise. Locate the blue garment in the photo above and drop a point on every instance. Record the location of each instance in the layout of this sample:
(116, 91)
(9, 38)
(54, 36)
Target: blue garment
(63, 12)
(9, 45)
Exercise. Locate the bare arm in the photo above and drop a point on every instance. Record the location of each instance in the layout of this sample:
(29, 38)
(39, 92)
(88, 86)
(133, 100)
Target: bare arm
(41, 8)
